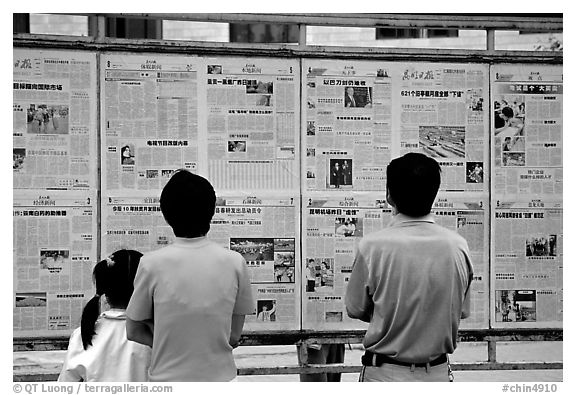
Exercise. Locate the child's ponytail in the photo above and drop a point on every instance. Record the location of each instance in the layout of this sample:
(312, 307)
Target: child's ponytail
(88, 321)
(92, 309)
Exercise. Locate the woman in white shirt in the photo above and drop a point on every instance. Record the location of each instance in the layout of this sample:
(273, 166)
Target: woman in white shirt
(99, 349)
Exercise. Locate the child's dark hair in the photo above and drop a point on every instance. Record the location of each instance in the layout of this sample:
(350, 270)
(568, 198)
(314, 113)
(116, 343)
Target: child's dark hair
(413, 181)
(187, 203)
(113, 277)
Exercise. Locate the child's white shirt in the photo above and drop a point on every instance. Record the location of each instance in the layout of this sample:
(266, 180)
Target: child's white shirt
(111, 357)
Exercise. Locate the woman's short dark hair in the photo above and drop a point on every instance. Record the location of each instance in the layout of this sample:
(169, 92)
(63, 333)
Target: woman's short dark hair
(413, 181)
(187, 203)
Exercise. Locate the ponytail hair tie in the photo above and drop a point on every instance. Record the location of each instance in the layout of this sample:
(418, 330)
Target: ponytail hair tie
(109, 261)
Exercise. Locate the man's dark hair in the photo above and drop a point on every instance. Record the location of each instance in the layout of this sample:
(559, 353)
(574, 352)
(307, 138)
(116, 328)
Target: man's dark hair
(413, 181)
(187, 203)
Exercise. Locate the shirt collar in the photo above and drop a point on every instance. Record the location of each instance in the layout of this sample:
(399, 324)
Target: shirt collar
(400, 218)
(191, 242)
(114, 314)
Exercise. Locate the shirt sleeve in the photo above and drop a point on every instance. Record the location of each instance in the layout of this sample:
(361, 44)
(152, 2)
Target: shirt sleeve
(141, 305)
(72, 371)
(468, 263)
(358, 300)
(468, 281)
(244, 301)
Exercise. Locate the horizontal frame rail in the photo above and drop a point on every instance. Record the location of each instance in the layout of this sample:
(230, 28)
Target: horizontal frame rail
(276, 338)
(106, 44)
(432, 21)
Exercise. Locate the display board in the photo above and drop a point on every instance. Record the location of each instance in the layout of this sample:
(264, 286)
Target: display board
(149, 120)
(527, 248)
(358, 116)
(297, 151)
(234, 121)
(265, 230)
(251, 108)
(333, 224)
(54, 123)
(54, 253)
(55, 181)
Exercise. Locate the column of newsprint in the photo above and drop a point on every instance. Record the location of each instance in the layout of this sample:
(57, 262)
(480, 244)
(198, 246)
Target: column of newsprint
(527, 235)
(54, 189)
(149, 128)
(252, 123)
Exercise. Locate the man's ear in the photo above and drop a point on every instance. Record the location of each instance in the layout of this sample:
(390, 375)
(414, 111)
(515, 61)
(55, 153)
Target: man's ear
(391, 201)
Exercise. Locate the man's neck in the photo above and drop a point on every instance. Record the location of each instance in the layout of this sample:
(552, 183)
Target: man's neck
(396, 212)
(190, 236)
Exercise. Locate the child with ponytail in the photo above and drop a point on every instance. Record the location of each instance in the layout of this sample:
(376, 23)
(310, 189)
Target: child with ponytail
(99, 349)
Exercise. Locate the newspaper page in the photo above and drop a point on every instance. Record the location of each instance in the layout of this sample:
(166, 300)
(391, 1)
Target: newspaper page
(527, 130)
(333, 226)
(263, 229)
(149, 120)
(359, 115)
(54, 120)
(468, 216)
(443, 113)
(347, 117)
(252, 120)
(527, 207)
(527, 261)
(54, 250)
(135, 223)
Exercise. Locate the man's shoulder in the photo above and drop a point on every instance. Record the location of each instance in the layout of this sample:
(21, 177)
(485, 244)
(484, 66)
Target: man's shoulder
(155, 259)
(222, 254)
(157, 254)
(379, 238)
(230, 254)
(449, 234)
(392, 234)
(216, 249)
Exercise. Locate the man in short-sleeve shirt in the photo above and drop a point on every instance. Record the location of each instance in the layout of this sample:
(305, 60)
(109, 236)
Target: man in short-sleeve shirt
(410, 281)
